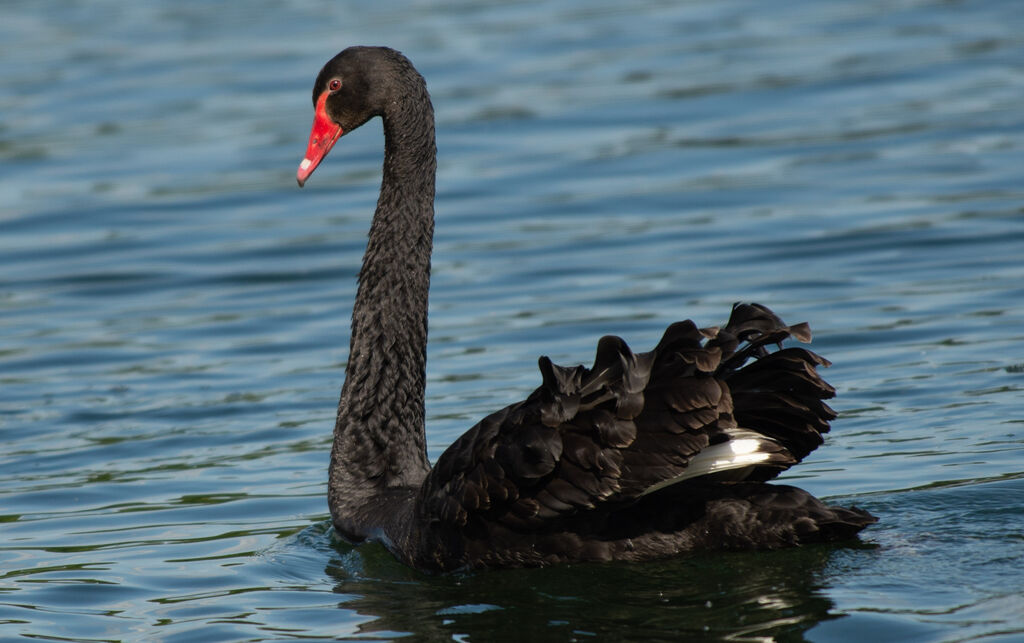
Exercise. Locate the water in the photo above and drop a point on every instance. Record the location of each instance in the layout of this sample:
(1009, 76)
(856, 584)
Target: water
(174, 310)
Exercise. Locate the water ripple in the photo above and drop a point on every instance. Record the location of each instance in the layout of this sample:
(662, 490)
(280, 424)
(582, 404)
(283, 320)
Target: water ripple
(174, 311)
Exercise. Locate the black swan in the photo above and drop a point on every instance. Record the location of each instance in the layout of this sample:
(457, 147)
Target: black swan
(642, 455)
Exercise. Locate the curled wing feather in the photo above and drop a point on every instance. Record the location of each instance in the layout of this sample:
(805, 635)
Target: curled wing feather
(596, 439)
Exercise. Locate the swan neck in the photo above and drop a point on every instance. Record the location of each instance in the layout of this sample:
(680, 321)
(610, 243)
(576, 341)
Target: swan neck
(379, 437)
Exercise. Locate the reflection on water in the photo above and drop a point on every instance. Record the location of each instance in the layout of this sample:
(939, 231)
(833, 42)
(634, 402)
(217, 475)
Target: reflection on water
(739, 597)
(173, 310)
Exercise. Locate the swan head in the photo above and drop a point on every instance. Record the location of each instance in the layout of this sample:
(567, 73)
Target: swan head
(353, 87)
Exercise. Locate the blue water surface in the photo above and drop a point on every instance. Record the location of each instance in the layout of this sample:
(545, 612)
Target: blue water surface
(174, 310)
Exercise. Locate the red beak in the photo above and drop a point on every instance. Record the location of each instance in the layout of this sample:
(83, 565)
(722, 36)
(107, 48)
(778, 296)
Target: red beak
(323, 137)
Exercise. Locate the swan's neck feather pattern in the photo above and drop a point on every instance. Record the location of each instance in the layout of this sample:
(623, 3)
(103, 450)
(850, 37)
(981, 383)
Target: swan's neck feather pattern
(379, 441)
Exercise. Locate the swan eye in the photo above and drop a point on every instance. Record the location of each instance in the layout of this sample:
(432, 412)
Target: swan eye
(334, 85)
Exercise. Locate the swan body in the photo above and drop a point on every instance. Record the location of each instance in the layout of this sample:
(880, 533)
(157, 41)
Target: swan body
(640, 456)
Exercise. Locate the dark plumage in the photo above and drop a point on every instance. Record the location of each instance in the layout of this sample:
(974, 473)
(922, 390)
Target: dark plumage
(642, 455)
